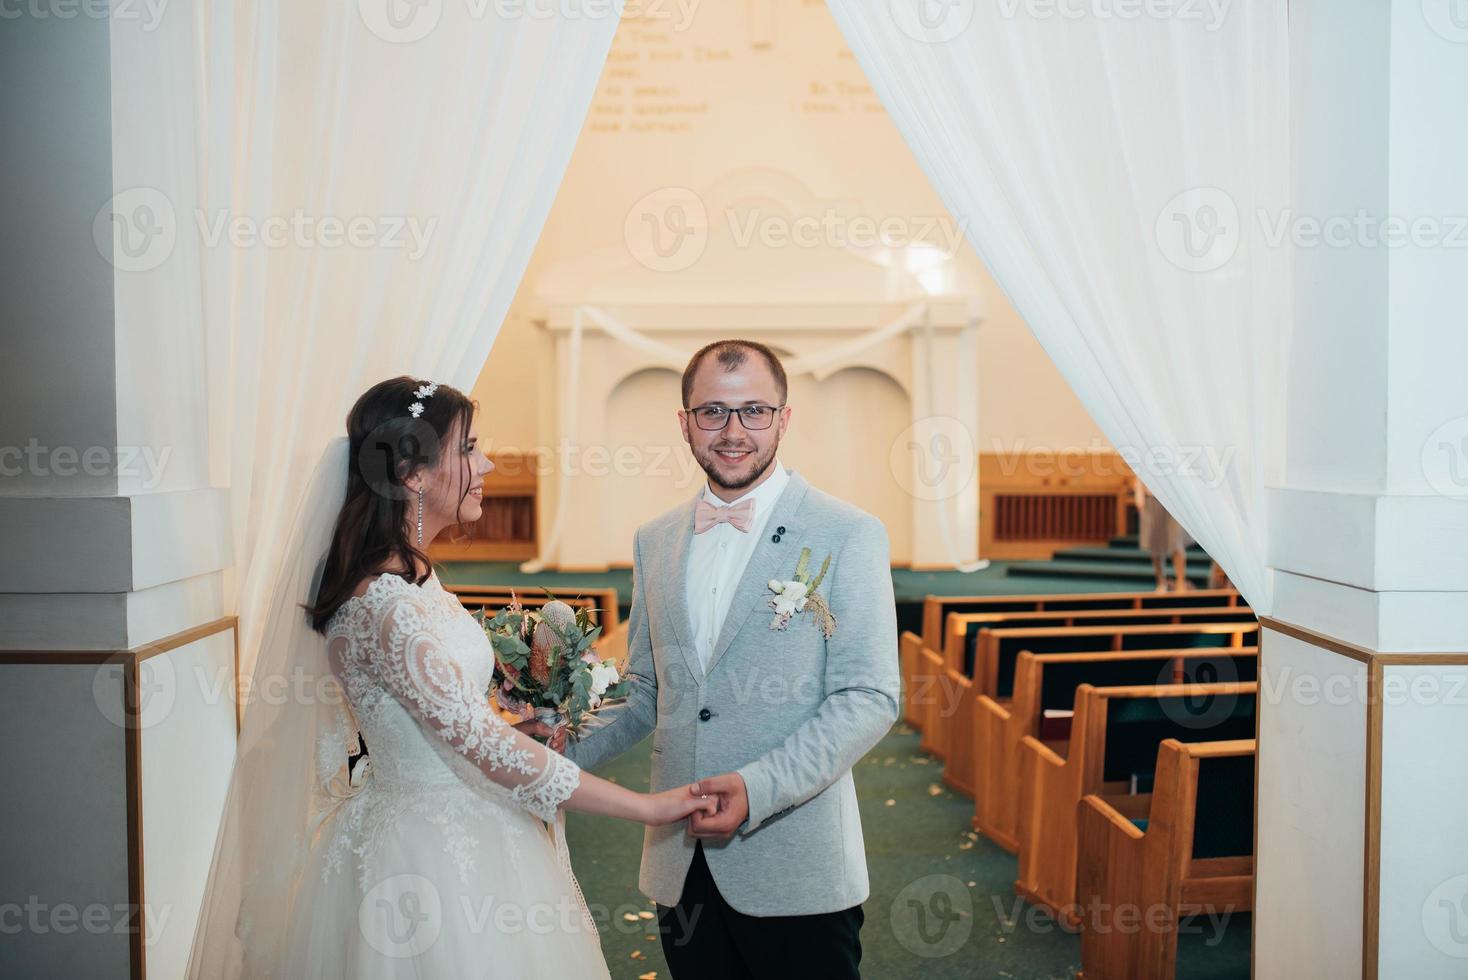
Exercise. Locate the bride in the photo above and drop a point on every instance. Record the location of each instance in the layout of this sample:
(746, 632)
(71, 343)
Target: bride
(431, 857)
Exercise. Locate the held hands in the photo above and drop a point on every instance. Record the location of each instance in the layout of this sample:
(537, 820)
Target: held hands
(733, 807)
(676, 804)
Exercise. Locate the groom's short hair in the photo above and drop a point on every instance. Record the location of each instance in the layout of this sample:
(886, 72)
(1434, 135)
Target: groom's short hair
(731, 355)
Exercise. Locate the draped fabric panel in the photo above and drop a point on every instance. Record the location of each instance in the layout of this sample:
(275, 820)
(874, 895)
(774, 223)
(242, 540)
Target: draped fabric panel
(385, 169)
(1123, 171)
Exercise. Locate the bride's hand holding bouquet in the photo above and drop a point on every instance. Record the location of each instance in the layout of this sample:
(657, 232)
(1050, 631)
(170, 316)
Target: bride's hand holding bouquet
(547, 672)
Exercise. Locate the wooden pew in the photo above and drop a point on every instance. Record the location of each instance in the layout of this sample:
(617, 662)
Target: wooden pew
(937, 608)
(949, 734)
(939, 677)
(1194, 856)
(1115, 733)
(909, 656)
(1047, 681)
(601, 603)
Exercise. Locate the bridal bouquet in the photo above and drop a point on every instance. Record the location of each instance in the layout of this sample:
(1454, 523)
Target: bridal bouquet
(544, 665)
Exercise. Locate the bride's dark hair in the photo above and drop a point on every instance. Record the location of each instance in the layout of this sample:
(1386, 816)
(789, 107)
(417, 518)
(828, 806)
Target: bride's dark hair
(386, 446)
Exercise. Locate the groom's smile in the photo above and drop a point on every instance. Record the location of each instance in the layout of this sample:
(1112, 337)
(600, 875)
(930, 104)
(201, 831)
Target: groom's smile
(733, 417)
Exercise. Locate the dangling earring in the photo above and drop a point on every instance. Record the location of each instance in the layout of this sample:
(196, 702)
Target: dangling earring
(420, 515)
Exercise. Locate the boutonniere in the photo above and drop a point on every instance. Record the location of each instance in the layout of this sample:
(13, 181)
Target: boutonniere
(799, 594)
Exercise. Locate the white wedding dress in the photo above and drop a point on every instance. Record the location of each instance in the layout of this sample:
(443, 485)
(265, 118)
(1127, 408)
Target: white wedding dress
(438, 865)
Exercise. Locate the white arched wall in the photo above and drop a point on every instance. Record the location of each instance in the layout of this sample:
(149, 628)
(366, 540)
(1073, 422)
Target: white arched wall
(841, 430)
(651, 469)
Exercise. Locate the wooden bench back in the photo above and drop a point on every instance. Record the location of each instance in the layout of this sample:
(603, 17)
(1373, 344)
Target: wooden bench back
(997, 650)
(936, 608)
(1050, 680)
(965, 629)
(1223, 820)
(1117, 730)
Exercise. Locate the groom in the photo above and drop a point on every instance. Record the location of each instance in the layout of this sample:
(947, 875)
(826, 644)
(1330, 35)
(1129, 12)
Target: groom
(768, 712)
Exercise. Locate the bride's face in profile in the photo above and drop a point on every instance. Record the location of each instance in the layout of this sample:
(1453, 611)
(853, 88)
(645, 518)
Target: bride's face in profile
(461, 465)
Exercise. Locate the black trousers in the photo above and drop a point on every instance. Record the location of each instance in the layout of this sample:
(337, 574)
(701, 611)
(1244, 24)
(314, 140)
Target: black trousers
(705, 939)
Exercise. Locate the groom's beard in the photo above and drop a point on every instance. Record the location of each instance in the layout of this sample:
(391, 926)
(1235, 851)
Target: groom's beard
(751, 470)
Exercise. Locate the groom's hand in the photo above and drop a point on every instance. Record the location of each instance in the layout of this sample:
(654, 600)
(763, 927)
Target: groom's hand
(733, 806)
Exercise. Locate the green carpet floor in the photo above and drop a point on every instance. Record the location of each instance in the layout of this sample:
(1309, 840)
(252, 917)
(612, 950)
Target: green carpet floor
(942, 902)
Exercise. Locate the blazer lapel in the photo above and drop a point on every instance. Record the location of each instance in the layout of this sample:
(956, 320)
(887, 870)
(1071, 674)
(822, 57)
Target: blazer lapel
(771, 559)
(677, 593)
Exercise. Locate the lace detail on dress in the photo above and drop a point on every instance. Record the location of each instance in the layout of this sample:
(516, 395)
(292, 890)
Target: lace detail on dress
(416, 666)
(413, 664)
(544, 795)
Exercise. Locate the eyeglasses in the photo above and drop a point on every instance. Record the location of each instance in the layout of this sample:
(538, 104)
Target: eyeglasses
(715, 417)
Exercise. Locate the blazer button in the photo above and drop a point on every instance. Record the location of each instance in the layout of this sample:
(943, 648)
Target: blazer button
(775, 538)
(780, 529)
(705, 715)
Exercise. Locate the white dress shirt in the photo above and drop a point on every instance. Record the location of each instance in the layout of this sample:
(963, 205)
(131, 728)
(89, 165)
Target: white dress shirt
(717, 558)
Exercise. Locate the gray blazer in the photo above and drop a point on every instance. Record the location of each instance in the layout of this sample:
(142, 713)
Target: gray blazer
(790, 711)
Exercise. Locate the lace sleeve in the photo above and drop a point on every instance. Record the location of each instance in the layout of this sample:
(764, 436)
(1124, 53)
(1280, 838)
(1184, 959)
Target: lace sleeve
(412, 663)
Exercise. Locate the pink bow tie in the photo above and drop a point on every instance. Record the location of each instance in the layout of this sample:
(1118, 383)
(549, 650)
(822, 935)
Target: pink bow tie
(706, 515)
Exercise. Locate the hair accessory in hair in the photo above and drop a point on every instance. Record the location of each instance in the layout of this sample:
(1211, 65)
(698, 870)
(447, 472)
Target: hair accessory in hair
(423, 392)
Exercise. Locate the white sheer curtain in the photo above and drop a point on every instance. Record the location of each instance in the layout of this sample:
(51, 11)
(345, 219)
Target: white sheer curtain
(376, 175)
(1122, 170)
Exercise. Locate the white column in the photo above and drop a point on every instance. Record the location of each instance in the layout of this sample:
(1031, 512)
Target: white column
(1362, 862)
(942, 455)
(114, 538)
